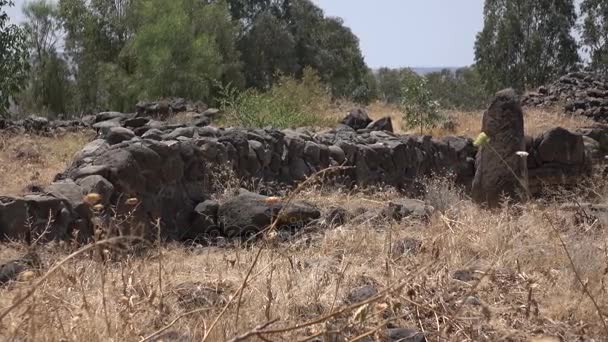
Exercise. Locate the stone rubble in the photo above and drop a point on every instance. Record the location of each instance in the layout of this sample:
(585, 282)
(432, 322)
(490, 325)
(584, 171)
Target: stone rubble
(580, 93)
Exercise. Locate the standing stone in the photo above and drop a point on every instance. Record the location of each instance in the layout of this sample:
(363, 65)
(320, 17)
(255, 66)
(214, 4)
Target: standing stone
(497, 161)
(357, 119)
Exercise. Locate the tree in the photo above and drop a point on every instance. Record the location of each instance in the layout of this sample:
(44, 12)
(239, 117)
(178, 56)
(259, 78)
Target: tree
(526, 43)
(268, 50)
(13, 58)
(97, 32)
(459, 89)
(182, 47)
(284, 37)
(390, 83)
(595, 31)
(48, 81)
(328, 46)
(419, 107)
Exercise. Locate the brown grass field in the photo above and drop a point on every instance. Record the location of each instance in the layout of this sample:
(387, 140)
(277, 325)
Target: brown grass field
(518, 281)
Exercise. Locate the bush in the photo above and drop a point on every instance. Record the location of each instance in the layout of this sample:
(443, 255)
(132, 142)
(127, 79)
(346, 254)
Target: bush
(419, 107)
(289, 103)
(461, 89)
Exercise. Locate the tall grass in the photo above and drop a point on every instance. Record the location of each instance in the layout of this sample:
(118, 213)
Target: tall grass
(289, 103)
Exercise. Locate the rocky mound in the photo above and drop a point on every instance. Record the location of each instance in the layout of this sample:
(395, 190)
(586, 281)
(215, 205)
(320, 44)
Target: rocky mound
(581, 93)
(162, 175)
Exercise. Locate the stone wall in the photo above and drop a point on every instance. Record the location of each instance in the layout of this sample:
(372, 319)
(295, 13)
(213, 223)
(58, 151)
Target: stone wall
(40, 125)
(146, 169)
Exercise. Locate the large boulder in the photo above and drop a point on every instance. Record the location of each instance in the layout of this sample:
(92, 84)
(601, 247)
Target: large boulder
(499, 170)
(11, 270)
(249, 213)
(357, 119)
(559, 145)
(560, 158)
(383, 124)
(117, 135)
(204, 222)
(403, 208)
(34, 216)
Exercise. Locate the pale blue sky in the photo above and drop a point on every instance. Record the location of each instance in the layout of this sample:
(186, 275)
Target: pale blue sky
(398, 33)
(413, 33)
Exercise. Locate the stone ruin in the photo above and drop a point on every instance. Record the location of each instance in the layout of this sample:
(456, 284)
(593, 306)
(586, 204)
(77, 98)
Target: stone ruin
(580, 93)
(162, 175)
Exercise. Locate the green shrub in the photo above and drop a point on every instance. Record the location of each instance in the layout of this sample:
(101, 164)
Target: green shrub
(419, 107)
(289, 103)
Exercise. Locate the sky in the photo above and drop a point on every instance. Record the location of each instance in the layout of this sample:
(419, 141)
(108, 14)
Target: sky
(402, 33)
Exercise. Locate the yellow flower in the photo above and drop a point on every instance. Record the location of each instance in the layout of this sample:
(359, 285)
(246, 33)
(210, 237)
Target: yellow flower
(92, 198)
(27, 276)
(482, 139)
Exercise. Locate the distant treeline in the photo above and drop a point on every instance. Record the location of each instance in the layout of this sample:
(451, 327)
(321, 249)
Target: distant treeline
(80, 56)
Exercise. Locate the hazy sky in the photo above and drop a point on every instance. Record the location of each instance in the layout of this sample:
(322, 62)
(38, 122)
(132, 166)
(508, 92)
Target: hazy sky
(415, 33)
(395, 33)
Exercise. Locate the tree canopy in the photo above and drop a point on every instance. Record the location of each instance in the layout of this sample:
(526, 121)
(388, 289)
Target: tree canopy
(13, 58)
(526, 43)
(595, 31)
(82, 56)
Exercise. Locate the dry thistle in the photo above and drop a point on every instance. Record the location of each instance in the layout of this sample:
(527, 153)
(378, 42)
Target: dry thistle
(482, 139)
(92, 198)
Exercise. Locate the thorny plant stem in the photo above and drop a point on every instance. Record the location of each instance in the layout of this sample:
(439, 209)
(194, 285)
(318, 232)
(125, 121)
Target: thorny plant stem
(241, 288)
(50, 272)
(576, 273)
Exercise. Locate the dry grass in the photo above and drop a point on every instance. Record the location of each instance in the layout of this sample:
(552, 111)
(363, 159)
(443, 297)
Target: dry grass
(523, 285)
(468, 124)
(26, 159)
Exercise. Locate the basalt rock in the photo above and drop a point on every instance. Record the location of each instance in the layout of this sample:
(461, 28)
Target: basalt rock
(498, 167)
(249, 213)
(579, 93)
(34, 216)
(10, 271)
(558, 157)
(357, 119)
(153, 171)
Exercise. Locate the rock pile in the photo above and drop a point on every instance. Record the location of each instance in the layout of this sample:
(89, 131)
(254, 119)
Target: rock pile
(40, 125)
(166, 107)
(581, 93)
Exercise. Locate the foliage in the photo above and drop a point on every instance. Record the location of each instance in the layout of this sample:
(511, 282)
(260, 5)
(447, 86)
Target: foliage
(526, 43)
(48, 85)
(595, 31)
(13, 58)
(390, 83)
(172, 57)
(419, 107)
(267, 48)
(96, 32)
(460, 89)
(289, 36)
(289, 103)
